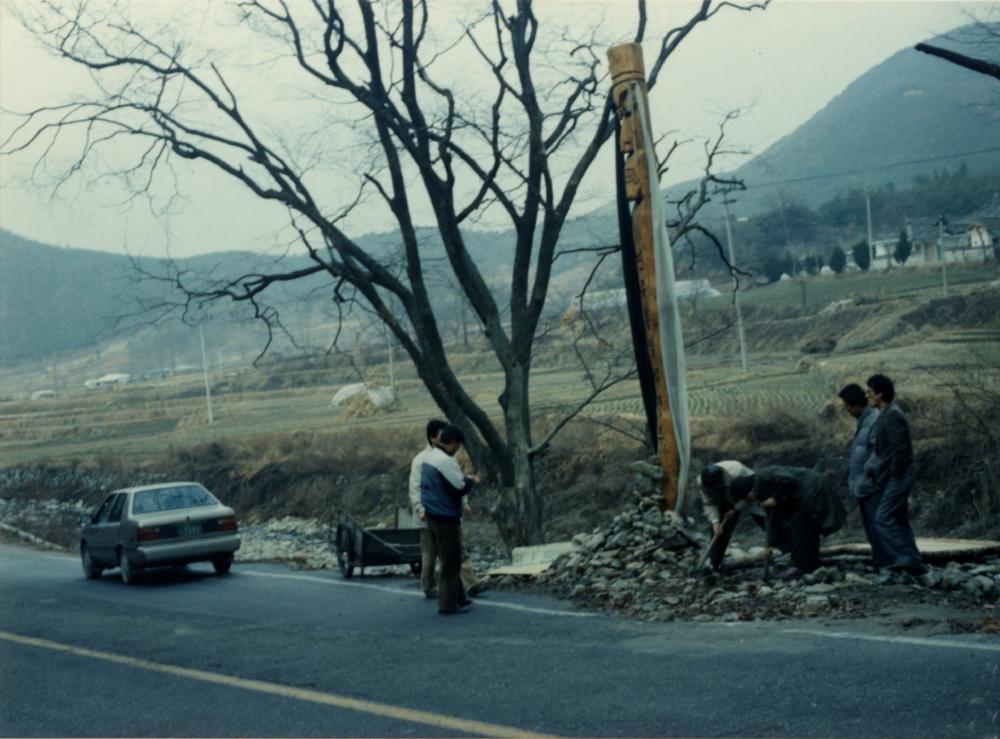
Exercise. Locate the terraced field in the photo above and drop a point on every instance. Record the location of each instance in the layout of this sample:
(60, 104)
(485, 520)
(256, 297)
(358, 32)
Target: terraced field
(138, 421)
(113, 423)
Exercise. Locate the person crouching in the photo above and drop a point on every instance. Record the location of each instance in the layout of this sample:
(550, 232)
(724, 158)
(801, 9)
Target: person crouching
(443, 485)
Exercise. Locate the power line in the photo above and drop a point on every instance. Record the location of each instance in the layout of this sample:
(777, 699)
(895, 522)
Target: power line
(864, 170)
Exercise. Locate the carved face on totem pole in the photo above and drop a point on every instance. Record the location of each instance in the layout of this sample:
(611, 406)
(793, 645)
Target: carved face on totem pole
(626, 70)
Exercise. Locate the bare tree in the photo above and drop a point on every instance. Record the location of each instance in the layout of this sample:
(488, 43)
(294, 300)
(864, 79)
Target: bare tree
(520, 151)
(982, 36)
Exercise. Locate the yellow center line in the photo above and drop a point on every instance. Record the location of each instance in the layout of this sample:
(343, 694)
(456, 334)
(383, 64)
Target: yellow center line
(385, 710)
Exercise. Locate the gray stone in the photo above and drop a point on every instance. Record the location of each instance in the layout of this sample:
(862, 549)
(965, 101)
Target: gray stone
(653, 517)
(819, 588)
(649, 471)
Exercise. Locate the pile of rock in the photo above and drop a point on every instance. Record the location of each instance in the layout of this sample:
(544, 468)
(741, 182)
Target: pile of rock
(643, 564)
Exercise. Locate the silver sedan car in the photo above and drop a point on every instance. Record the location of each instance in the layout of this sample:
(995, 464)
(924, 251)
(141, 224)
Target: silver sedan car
(173, 523)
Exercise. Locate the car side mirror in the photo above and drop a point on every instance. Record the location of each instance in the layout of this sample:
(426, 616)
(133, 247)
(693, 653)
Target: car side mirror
(86, 518)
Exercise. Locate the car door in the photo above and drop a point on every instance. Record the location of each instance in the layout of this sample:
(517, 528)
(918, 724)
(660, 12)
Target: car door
(100, 534)
(115, 522)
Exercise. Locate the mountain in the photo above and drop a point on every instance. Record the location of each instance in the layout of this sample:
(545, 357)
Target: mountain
(907, 117)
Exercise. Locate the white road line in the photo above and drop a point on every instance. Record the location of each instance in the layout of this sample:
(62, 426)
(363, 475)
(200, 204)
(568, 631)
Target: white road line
(383, 588)
(915, 640)
(400, 591)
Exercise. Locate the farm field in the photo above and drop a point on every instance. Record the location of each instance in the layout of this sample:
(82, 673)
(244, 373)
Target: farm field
(138, 421)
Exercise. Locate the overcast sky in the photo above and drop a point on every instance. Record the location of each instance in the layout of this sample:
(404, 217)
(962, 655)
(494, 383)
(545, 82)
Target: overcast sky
(787, 63)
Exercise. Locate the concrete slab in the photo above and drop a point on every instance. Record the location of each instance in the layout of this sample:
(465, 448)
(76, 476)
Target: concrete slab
(533, 560)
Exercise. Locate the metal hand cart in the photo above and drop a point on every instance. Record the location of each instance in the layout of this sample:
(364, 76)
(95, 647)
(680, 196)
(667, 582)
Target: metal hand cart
(359, 547)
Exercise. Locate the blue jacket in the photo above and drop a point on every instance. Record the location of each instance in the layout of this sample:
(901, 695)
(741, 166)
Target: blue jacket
(442, 485)
(862, 447)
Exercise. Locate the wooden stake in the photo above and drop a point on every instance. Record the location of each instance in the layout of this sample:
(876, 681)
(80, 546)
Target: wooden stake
(627, 69)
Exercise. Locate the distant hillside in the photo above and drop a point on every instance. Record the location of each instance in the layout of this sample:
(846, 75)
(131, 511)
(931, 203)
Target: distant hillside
(55, 299)
(911, 108)
(910, 116)
(52, 298)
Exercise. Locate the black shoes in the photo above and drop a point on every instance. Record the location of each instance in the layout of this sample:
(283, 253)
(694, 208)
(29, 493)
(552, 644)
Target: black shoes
(453, 611)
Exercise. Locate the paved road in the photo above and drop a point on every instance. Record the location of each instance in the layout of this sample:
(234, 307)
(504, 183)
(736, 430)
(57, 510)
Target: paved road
(271, 652)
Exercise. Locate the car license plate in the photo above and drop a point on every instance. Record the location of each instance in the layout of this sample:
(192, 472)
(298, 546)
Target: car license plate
(190, 529)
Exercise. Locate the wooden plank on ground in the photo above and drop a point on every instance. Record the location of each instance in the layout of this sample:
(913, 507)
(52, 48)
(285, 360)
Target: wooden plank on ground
(932, 548)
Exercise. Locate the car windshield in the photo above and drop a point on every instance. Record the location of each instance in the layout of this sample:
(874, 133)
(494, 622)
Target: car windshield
(172, 498)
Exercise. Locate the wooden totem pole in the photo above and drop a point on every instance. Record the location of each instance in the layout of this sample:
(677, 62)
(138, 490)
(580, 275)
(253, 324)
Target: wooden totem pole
(642, 233)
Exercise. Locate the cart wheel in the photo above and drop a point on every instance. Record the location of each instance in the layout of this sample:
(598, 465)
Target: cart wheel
(416, 568)
(345, 547)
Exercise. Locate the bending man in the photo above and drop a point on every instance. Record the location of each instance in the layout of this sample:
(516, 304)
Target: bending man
(721, 508)
(800, 509)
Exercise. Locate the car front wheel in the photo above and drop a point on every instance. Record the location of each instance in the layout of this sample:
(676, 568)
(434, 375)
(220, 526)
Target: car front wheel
(90, 570)
(130, 572)
(222, 565)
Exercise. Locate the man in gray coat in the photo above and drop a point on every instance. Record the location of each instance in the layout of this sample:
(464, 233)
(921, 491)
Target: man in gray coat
(860, 487)
(891, 470)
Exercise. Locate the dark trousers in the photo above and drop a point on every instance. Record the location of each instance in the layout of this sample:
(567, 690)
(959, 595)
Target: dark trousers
(798, 534)
(803, 541)
(892, 524)
(428, 565)
(718, 551)
(428, 562)
(868, 507)
(447, 538)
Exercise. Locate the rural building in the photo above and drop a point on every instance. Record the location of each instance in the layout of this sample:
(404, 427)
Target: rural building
(932, 241)
(41, 394)
(118, 378)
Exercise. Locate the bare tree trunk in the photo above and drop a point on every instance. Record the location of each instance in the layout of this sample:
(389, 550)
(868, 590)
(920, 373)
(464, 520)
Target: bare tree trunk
(519, 512)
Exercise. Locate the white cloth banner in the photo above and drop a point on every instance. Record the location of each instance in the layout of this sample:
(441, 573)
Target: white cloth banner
(671, 337)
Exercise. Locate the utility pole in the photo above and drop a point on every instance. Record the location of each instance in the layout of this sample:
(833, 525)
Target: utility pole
(388, 341)
(871, 238)
(204, 369)
(736, 285)
(944, 257)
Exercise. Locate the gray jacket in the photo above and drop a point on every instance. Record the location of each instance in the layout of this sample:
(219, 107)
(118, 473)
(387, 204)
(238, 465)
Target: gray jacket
(893, 455)
(862, 448)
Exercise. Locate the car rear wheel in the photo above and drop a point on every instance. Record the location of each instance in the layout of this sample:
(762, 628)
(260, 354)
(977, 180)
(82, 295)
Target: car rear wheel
(90, 570)
(130, 572)
(222, 565)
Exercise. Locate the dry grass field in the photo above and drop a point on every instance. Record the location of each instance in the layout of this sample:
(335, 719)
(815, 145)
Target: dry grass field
(139, 421)
(278, 447)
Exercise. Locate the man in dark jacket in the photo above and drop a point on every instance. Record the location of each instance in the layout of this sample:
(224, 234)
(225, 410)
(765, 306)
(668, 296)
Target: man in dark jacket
(442, 487)
(891, 470)
(859, 486)
(800, 508)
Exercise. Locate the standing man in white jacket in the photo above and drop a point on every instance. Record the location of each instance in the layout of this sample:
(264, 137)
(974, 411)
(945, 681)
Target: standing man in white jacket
(443, 487)
(428, 562)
